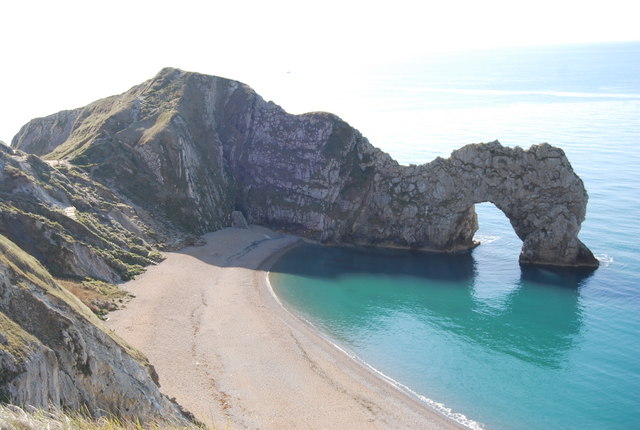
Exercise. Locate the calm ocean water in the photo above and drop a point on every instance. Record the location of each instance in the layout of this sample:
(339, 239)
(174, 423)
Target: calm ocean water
(509, 348)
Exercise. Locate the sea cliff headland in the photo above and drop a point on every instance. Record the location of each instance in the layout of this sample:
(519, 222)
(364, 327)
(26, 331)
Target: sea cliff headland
(92, 196)
(194, 148)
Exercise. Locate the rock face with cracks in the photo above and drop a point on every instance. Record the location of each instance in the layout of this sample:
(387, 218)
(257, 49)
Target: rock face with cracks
(74, 226)
(196, 148)
(55, 353)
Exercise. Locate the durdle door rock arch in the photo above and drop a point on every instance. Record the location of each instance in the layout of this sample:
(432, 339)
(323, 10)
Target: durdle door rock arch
(193, 149)
(536, 189)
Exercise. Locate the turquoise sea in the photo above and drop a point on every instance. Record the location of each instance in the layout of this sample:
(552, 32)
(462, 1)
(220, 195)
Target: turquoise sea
(504, 346)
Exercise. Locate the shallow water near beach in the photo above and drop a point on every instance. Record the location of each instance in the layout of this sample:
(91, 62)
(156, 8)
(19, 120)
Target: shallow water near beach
(509, 347)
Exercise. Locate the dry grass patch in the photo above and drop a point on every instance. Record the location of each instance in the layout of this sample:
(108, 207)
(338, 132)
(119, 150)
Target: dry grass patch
(15, 418)
(101, 297)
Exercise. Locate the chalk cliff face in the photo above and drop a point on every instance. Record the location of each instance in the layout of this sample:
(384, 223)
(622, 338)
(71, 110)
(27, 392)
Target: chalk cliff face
(55, 352)
(194, 148)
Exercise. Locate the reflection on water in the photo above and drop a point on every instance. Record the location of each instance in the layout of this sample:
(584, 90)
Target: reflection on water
(359, 290)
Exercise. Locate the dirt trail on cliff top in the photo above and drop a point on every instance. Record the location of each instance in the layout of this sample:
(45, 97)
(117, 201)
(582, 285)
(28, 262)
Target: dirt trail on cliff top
(228, 352)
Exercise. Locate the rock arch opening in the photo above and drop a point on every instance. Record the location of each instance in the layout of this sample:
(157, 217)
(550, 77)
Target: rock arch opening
(537, 190)
(495, 229)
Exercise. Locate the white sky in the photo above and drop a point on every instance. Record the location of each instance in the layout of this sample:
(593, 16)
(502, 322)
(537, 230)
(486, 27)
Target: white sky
(64, 54)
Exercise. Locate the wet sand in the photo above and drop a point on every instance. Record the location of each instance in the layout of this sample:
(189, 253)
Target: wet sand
(228, 352)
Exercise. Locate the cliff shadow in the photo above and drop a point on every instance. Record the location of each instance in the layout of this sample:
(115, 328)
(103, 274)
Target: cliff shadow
(319, 261)
(358, 289)
(537, 320)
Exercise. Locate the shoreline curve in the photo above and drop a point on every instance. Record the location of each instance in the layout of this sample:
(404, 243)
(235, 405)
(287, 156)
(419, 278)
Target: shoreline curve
(227, 350)
(432, 405)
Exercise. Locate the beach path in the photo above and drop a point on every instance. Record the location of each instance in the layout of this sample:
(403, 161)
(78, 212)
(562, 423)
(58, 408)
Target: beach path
(227, 351)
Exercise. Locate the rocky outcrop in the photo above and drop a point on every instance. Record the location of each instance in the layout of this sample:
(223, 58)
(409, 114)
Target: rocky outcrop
(431, 206)
(194, 148)
(74, 226)
(55, 352)
(46, 135)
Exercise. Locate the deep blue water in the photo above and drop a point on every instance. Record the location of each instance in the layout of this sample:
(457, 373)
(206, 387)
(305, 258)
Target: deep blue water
(510, 348)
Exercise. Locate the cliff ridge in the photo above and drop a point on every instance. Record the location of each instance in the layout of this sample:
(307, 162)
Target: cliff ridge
(196, 148)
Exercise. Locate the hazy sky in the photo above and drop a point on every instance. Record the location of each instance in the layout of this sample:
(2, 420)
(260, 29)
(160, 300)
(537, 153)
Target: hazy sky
(64, 54)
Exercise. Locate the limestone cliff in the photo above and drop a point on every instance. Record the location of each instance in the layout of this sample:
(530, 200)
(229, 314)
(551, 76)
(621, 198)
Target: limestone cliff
(55, 352)
(194, 148)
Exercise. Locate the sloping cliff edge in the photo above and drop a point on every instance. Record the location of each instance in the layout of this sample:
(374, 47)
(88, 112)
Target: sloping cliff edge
(194, 148)
(55, 353)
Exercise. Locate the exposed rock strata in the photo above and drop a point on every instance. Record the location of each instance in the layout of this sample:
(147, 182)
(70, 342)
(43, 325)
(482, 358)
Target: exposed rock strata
(74, 226)
(195, 148)
(55, 352)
